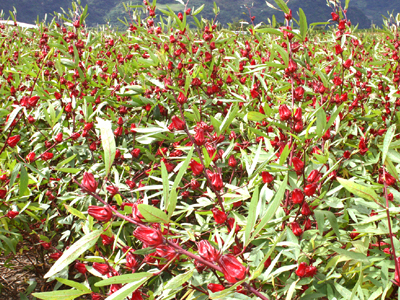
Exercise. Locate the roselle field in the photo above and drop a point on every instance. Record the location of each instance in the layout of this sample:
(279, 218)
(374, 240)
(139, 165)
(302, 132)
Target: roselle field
(179, 160)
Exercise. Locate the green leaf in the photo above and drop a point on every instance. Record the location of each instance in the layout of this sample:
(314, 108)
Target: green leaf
(320, 217)
(14, 174)
(387, 140)
(12, 117)
(198, 10)
(164, 177)
(232, 113)
(358, 189)
(255, 116)
(23, 182)
(108, 143)
(122, 279)
(153, 214)
(271, 209)
(172, 199)
(346, 6)
(74, 252)
(9, 243)
(69, 170)
(74, 284)
(75, 212)
(252, 216)
(177, 281)
(65, 161)
(332, 219)
(321, 122)
(303, 24)
(270, 30)
(351, 255)
(59, 295)
(282, 5)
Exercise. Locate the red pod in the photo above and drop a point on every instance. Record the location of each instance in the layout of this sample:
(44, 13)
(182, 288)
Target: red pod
(301, 269)
(30, 157)
(396, 274)
(232, 162)
(298, 115)
(80, 267)
(216, 181)
(178, 123)
(181, 98)
(219, 216)
(310, 189)
(296, 229)
(314, 176)
(103, 269)
(194, 184)
(196, 167)
(103, 214)
(135, 153)
(136, 295)
(233, 270)
(3, 193)
(136, 214)
(55, 256)
(13, 140)
(338, 49)
(106, 240)
(305, 210)
(59, 137)
(113, 190)
(284, 112)
(165, 251)
(214, 287)
(47, 156)
(149, 236)
(33, 101)
(298, 164)
(12, 214)
(199, 137)
(310, 271)
(267, 177)
(335, 17)
(89, 182)
(207, 251)
(297, 196)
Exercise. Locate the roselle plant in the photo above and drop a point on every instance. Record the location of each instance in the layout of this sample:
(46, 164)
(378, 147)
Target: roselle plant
(178, 160)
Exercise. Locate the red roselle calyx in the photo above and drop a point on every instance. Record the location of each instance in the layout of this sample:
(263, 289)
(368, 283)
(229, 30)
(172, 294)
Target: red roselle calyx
(89, 182)
(214, 287)
(13, 140)
(207, 251)
(233, 270)
(267, 177)
(284, 112)
(149, 236)
(178, 123)
(298, 165)
(219, 216)
(196, 167)
(297, 196)
(103, 214)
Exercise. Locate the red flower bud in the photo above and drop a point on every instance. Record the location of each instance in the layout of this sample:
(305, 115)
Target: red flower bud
(292, 66)
(232, 161)
(103, 269)
(33, 101)
(3, 193)
(214, 287)
(310, 271)
(12, 214)
(196, 167)
(149, 236)
(178, 123)
(284, 112)
(47, 156)
(165, 251)
(298, 115)
(30, 157)
(231, 222)
(267, 177)
(298, 164)
(199, 137)
(113, 190)
(135, 153)
(80, 267)
(13, 140)
(219, 216)
(59, 137)
(310, 189)
(181, 98)
(207, 251)
(194, 184)
(338, 49)
(45, 245)
(216, 181)
(297, 196)
(233, 270)
(314, 176)
(297, 231)
(301, 269)
(305, 210)
(103, 214)
(106, 240)
(335, 17)
(55, 256)
(89, 182)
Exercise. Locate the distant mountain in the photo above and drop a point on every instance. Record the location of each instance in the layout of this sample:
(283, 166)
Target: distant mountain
(362, 12)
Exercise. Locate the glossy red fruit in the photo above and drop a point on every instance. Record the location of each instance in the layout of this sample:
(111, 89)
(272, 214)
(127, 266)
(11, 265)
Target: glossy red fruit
(219, 216)
(89, 182)
(207, 251)
(233, 270)
(13, 140)
(149, 236)
(100, 213)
